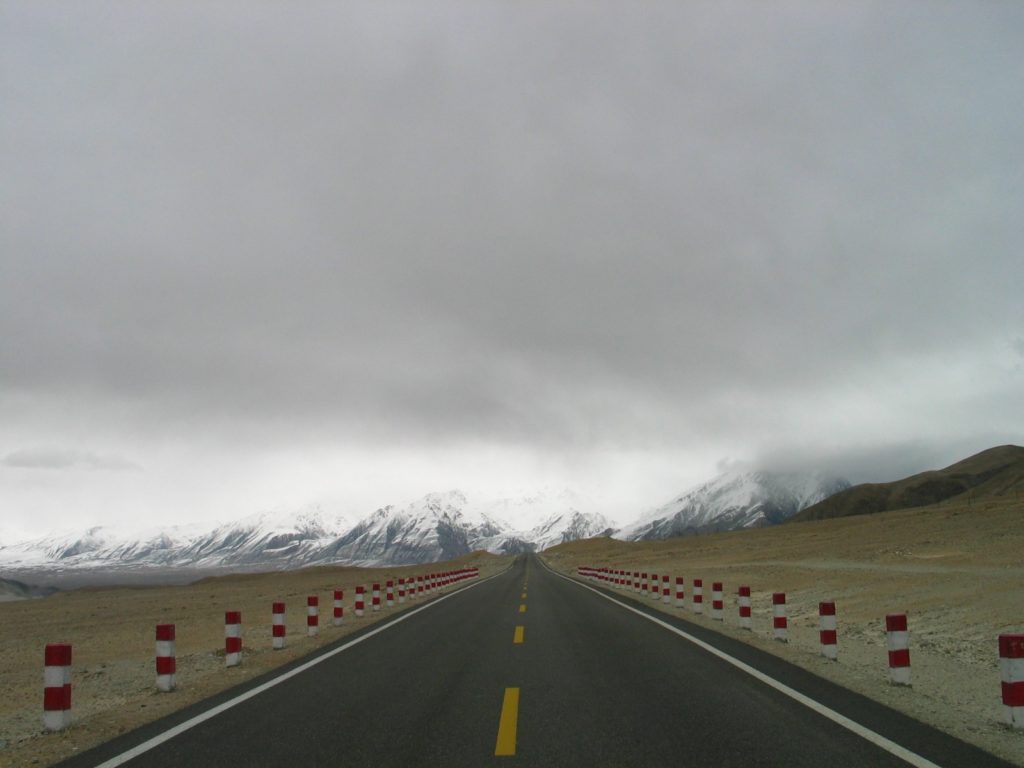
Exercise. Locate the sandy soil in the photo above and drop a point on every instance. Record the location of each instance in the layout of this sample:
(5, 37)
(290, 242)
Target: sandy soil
(957, 571)
(112, 633)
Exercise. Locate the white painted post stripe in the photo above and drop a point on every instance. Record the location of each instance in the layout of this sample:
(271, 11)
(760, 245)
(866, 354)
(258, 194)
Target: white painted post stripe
(191, 723)
(853, 726)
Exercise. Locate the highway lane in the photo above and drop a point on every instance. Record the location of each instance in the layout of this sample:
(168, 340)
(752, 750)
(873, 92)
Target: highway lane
(587, 684)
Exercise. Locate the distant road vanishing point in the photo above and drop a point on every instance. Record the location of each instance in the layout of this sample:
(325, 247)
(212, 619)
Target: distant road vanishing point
(530, 668)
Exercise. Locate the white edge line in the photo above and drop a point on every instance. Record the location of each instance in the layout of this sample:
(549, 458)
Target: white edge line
(170, 733)
(865, 733)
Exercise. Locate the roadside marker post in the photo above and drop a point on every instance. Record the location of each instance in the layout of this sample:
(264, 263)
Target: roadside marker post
(360, 601)
(717, 604)
(376, 597)
(312, 615)
(1011, 669)
(166, 662)
(680, 592)
(390, 586)
(57, 686)
(401, 590)
(232, 638)
(666, 591)
(780, 624)
(698, 595)
(277, 628)
(897, 639)
(744, 601)
(827, 629)
(339, 607)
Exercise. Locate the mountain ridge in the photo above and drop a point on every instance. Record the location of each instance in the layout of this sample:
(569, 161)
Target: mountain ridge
(437, 526)
(994, 471)
(734, 500)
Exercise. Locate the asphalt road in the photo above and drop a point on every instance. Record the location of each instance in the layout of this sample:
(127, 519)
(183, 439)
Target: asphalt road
(584, 682)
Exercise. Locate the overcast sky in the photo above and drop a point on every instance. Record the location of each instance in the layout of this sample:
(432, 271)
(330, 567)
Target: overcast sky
(263, 255)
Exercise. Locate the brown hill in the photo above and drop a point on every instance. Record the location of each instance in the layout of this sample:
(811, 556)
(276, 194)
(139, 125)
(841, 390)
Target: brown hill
(996, 472)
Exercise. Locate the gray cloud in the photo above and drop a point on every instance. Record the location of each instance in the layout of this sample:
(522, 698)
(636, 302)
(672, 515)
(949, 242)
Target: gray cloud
(679, 229)
(66, 458)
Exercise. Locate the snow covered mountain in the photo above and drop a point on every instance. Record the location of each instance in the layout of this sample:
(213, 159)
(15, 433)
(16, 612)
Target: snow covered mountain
(275, 539)
(438, 526)
(569, 526)
(734, 500)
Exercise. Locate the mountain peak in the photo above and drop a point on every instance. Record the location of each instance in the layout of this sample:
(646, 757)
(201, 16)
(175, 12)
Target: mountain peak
(735, 499)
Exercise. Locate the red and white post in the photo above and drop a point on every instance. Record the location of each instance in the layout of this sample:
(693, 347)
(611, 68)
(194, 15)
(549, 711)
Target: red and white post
(827, 629)
(655, 587)
(57, 687)
(636, 582)
(277, 626)
(312, 615)
(232, 638)
(644, 587)
(166, 661)
(419, 586)
(717, 604)
(1011, 670)
(780, 624)
(339, 607)
(898, 640)
(401, 590)
(390, 586)
(666, 590)
(698, 595)
(360, 601)
(680, 592)
(744, 601)
(376, 597)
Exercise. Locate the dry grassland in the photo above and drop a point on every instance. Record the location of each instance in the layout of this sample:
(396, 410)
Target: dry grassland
(957, 571)
(112, 633)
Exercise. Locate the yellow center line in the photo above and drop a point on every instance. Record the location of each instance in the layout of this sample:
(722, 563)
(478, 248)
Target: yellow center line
(517, 638)
(524, 595)
(522, 608)
(506, 744)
